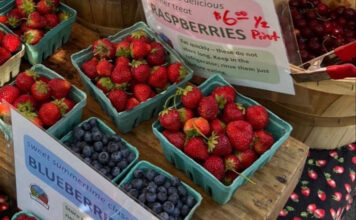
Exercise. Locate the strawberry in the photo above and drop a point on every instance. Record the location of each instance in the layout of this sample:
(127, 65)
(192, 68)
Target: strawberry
(169, 119)
(152, 94)
(196, 148)
(338, 169)
(36, 21)
(25, 7)
(69, 103)
(41, 91)
(158, 77)
(185, 114)
(233, 112)
(122, 49)
(33, 117)
(224, 95)
(196, 126)
(13, 18)
(312, 174)
(118, 99)
(333, 213)
(25, 103)
(52, 20)
(320, 163)
(330, 181)
(208, 108)
(121, 75)
(217, 126)
(139, 49)
(352, 173)
(246, 158)
(25, 80)
(191, 96)
(311, 208)
(294, 197)
(4, 110)
(176, 138)
(11, 42)
(140, 35)
(49, 114)
(232, 163)
(319, 213)
(103, 49)
(9, 93)
(55, 3)
(3, 19)
(219, 144)
(230, 177)
(1, 35)
(63, 16)
(321, 195)
(257, 116)
(105, 84)
(64, 104)
(262, 141)
(140, 70)
(122, 61)
(347, 188)
(305, 191)
(131, 103)
(44, 7)
(215, 165)
(60, 88)
(240, 134)
(176, 72)
(4, 55)
(4, 207)
(33, 36)
(142, 92)
(24, 27)
(156, 56)
(89, 68)
(337, 196)
(104, 68)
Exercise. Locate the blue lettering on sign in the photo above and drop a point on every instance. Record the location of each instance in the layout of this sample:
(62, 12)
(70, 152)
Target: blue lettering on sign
(68, 182)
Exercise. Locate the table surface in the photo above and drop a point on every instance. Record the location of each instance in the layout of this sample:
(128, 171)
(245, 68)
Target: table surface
(263, 200)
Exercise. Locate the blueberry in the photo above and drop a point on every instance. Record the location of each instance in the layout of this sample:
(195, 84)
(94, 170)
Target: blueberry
(98, 146)
(87, 137)
(162, 189)
(184, 210)
(87, 150)
(190, 201)
(122, 145)
(151, 197)
(78, 133)
(176, 212)
(167, 184)
(150, 174)
(125, 152)
(86, 126)
(114, 138)
(133, 192)
(179, 204)
(172, 190)
(94, 130)
(175, 181)
(131, 157)
(122, 164)
(173, 198)
(103, 157)
(108, 169)
(97, 135)
(115, 171)
(181, 190)
(164, 216)
(81, 144)
(152, 187)
(111, 163)
(162, 196)
(105, 149)
(138, 173)
(137, 184)
(103, 171)
(159, 179)
(156, 207)
(105, 140)
(93, 122)
(142, 198)
(94, 155)
(75, 149)
(112, 147)
(87, 160)
(126, 187)
(168, 207)
(96, 164)
(116, 156)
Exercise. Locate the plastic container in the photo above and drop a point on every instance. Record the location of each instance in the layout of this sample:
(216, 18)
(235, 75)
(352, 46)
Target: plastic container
(52, 40)
(212, 186)
(107, 130)
(144, 165)
(17, 214)
(11, 67)
(127, 120)
(71, 119)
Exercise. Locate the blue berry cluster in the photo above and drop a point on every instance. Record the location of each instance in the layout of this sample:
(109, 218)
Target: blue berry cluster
(167, 197)
(106, 153)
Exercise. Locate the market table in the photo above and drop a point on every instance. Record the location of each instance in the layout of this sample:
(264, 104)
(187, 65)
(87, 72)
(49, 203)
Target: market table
(263, 200)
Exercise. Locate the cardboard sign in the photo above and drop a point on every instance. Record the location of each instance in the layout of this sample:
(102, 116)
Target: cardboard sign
(239, 39)
(53, 183)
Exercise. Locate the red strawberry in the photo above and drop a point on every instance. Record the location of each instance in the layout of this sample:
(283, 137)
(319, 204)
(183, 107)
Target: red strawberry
(52, 20)
(156, 56)
(41, 91)
(49, 114)
(1, 35)
(3, 19)
(55, 3)
(185, 114)
(196, 126)
(25, 103)
(142, 92)
(230, 177)
(4, 111)
(118, 99)
(338, 169)
(9, 93)
(4, 207)
(11, 42)
(169, 119)
(43, 79)
(13, 18)
(3, 199)
(217, 126)
(176, 72)
(4, 55)
(352, 174)
(122, 61)
(257, 116)
(139, 49)
(122, 49)
(103, 49)
(294, 197)
(33, 36)
(351, 147)
(333, 154)
(26, 7)
(330, 181)
(262, 141)
(44, 7)
(219, 145)
(232, 163)
(36, 21)
(196, 148)
(121, 75)
(24, 27)
(311, 208)
(25, 80)
(105, 84)
(321, 195)
(140, 35)
(191, 96)
(319, 213)
(104, 68)
(233, 112)
(215, 165)
(312, 174)
(305, 191)
(208, 108)
(89, 68)
(354, 160)
(224, 95)
(153, 94)
(131, 103)
(333, 213)
(283, 213)
(337, 196)
(33, 117)
(63, 16)
(247, 158)
(347, 187)
(140, 70)
(320, 163)
(158, 77)
(60, 88)
(240, 134)
(176, 138)
(65, 105)
(69, 103)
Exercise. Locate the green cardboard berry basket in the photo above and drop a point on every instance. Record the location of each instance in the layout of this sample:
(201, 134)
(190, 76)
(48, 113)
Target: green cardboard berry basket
(52, 40)
(212, 186)
(144, 165)
(17, 214)
(127, 120)
(71, 119)
(108, 131)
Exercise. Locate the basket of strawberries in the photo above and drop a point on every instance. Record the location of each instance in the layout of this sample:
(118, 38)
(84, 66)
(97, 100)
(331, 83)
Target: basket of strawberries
(23, 215)
(43, 97)
(43, 25)
(218, 137)
(11, 51)
(131, 74)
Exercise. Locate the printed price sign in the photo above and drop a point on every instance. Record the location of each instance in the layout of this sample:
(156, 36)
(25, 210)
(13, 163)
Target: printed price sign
(53, 183)
(239, 39)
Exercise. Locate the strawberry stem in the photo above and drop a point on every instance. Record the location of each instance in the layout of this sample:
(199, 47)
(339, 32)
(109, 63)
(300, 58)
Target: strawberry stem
(245, 177)
(207, 139)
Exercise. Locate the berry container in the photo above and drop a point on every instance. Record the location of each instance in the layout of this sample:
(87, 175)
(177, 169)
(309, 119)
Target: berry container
(107, 130)
(52, 40)
(221, 193)
(127, 120)
(11, 67)
(144, 165)
(67, 122)
(17, 214)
